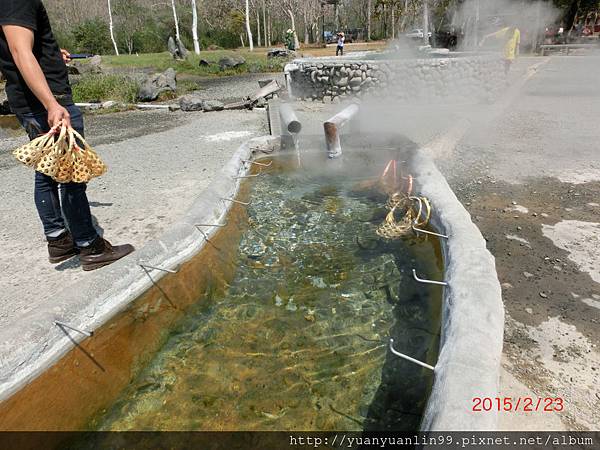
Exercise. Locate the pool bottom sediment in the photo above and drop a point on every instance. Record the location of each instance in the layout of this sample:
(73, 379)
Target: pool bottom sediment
(298, 340)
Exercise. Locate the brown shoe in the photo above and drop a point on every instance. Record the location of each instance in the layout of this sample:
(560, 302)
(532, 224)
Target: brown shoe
(61, 248)
(101, 253)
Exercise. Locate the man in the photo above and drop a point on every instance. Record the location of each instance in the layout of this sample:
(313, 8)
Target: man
(512, 38)
(38, 91)
(340, 44)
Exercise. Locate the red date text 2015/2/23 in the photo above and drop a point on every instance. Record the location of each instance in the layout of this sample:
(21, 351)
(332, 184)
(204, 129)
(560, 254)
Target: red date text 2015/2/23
(518, 404)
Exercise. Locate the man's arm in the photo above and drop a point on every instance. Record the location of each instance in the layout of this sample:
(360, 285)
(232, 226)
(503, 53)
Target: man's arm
(20, 42)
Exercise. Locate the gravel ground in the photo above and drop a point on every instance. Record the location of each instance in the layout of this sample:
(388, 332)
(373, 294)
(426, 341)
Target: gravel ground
(158, 163)
(230, 89)
(529, 171)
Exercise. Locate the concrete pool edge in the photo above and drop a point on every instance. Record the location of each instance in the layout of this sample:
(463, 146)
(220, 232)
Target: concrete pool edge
(472, 331)
(33, 346)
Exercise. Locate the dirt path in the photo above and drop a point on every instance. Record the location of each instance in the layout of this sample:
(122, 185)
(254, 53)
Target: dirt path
(531, 180)
(552, 329)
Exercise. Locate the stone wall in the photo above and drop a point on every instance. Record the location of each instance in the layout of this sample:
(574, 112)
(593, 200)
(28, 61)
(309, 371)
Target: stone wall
(466, 78)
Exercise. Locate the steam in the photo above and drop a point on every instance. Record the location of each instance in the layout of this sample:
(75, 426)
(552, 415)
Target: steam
(475, 19)
(455, 99)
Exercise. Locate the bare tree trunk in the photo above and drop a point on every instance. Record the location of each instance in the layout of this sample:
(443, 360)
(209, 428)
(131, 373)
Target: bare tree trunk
(264, 11)
(404, 16)
(177, 35)
(270, 29)
(369, 9)
(112, 30)
(242, 39)
(393, 22)
(306, 35)
(296, 41)
(258, 37)
(425, 22)
(195, 28)
(248, 28)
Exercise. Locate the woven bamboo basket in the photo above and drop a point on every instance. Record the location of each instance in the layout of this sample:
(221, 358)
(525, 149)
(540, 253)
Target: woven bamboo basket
(59, 155)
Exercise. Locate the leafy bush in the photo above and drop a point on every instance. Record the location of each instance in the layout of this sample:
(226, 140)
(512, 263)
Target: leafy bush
(98, 88)
(92, 36)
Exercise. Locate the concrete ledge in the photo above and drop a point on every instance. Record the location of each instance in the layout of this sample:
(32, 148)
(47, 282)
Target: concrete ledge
(31, 347)
(473, 313)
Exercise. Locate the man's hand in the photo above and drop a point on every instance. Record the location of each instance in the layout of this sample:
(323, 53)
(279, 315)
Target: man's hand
(57, 114)
(66, 56)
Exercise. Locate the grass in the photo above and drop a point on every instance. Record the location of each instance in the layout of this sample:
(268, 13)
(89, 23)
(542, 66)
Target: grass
(256, 62)
(99, 88)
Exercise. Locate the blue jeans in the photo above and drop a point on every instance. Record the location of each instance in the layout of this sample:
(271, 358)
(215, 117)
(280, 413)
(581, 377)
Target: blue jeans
(73, 204)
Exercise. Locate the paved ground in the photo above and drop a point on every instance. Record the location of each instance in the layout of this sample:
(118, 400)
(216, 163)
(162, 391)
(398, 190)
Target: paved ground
(529, 173)
(158, 163)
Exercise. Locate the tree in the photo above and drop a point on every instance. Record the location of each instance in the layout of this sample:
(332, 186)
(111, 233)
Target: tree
(289, 6)
(369, 10)
(195, 28)
(177, 35)
(248, 29)
(111, 27)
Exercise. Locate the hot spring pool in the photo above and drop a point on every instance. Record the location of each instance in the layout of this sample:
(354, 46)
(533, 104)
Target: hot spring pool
(298, 340)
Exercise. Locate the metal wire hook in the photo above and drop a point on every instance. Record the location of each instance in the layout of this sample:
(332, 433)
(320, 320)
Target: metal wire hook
(421, 280)
(408, 358)
(146, 266)
(65, 325)
(236, 201)
(419, 230)
(247, 161)
(248, 176)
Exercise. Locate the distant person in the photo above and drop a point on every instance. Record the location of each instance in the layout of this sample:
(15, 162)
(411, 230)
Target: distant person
(511, 36)
(39, 93)
(341, 39)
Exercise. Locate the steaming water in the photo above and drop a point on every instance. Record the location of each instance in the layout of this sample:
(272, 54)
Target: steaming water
(299, 340)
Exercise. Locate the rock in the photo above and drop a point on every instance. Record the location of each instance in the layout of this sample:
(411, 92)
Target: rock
(506, 286)
(280, 53)
(230, 62)
(4, 106)
(172, 47)
(203, 63)
(527, 275)
(157, 84)
(109, 104)
(191, 102)
(543, 295)
(92, 66)
(212, 105)
(355, 82)
(95, 61)
(73, 70)
(529, 310)
(177, 49)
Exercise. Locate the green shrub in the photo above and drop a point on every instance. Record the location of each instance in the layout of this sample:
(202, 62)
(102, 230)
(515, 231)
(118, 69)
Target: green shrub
(99, 88)
(92, 36)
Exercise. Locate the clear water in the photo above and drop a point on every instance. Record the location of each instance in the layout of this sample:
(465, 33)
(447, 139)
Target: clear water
(300, 339)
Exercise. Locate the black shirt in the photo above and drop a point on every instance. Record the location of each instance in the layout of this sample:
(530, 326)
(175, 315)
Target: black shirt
(32, 14)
